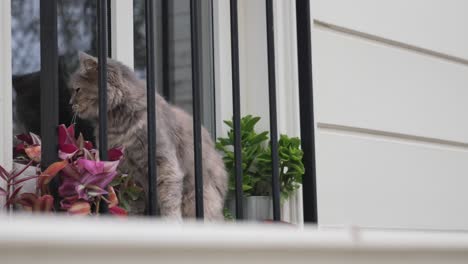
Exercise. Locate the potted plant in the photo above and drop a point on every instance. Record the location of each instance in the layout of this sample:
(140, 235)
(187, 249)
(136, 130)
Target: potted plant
(85, 182)
(257, 168)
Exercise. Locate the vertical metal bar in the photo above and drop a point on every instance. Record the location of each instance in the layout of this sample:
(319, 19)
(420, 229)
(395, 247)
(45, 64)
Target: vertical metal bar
(102, 80)
(109, 27)
(236, 108)
(151, 10)
(275, 184)
(167, 88)
(207, 60)
(306, 103)
(102, 76)
(196, 97)
(49, 86)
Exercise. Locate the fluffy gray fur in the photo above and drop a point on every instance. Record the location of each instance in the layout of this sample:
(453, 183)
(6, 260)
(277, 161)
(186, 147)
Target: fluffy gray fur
(127, 127)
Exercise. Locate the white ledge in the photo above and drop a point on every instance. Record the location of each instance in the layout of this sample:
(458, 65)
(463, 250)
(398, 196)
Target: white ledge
(28, 239)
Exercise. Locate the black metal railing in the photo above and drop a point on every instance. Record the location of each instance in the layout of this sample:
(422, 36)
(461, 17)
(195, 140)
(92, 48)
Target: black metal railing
(156, 45)
(49, 85)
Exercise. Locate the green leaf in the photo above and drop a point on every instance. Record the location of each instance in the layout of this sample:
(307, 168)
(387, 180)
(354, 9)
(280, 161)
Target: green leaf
(249, 123)
(134, 192)
(246, 187)
(228, 123)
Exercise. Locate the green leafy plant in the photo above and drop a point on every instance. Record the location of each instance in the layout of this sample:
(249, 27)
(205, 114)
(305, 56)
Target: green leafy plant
(256, 159)
(128, 191)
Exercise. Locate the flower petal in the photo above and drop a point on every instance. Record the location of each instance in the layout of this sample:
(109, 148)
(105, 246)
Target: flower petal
(81, 191)
(80, 208)
(93, 167)
(68, 188)
(101, 180)
(111, 166)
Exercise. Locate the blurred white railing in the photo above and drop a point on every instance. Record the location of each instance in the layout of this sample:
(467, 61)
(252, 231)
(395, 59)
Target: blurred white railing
(28, 239)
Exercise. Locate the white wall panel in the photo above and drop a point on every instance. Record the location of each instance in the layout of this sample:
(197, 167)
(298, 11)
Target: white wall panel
(383, 182)
(436, 25)
(366, 84)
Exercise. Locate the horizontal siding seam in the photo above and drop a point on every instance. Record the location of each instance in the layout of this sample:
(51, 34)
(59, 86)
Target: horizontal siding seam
(392, 136)
(389, 42)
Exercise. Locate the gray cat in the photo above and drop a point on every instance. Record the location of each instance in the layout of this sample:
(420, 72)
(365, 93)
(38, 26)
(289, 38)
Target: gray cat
(127, 127)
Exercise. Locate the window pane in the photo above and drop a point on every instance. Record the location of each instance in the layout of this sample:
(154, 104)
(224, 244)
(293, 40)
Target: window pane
(76, 25)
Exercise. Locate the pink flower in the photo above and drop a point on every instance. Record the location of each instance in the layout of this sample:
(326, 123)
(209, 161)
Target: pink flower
(87, 179)
(69, 146)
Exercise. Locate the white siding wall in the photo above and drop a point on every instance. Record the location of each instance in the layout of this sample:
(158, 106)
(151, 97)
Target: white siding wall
(391, 94)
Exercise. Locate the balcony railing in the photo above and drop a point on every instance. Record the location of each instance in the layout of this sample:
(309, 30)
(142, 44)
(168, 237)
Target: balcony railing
(155, 46)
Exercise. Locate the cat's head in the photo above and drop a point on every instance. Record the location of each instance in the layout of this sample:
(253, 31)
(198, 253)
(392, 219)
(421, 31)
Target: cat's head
(84, 86)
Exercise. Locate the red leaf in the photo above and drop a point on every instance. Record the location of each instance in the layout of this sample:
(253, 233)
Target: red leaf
(68, 148)
(25, 138)
(34, 153)
(88, 145)
(66, 135)
(62, 134)
(115, 154)
(112, 197)
(27, 200)
(80, 208)
(12, 197)
(117, 211)
(3, 173)
(26, 179)
(71, 172)
(22, 170)
(71, 131)
(19, 149)
(51, 171)
(44, 203)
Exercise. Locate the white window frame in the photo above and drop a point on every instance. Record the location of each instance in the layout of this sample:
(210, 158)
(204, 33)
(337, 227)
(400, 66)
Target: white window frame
(254, 73)
(121, 29)
(6, 110)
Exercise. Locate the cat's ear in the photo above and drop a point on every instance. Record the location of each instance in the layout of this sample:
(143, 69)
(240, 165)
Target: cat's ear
(88, 63)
